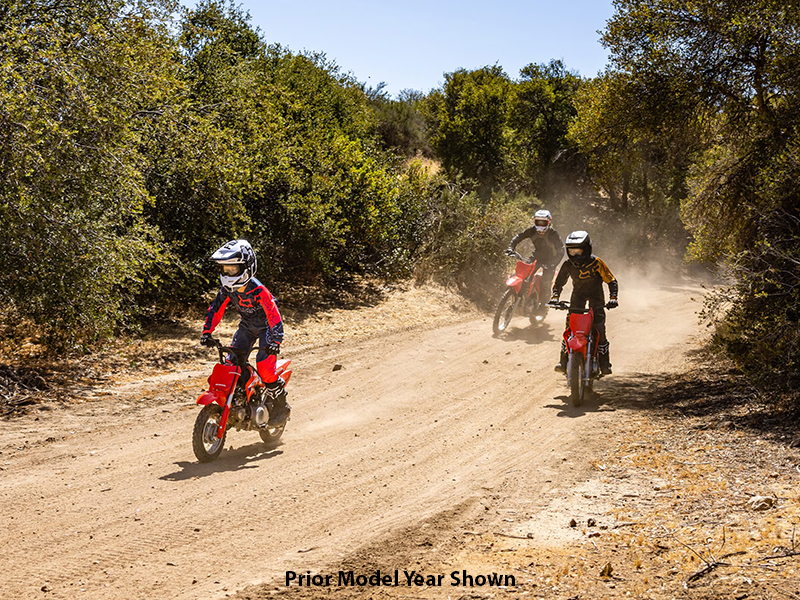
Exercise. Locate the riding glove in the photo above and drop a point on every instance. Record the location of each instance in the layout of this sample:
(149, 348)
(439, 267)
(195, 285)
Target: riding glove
(205, 339)
(612, 303)
(273, 348)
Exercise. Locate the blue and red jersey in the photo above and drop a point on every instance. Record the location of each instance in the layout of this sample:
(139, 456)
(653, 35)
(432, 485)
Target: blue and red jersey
(256, 306)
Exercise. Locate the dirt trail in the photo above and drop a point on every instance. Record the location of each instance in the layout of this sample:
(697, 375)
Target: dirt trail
(447, 421)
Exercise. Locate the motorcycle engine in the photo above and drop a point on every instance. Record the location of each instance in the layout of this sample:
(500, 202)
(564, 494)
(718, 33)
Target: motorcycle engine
(259, 415)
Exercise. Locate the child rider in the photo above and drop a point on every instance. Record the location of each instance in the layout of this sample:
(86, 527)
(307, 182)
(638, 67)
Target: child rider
(260, 319)
(588, 274)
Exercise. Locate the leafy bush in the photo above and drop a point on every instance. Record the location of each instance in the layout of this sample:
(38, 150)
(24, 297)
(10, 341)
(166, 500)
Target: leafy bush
(76, 78)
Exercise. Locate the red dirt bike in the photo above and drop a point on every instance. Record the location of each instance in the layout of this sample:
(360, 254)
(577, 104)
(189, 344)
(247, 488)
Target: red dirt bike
(234, 400)
(581, 340)
(523, 293)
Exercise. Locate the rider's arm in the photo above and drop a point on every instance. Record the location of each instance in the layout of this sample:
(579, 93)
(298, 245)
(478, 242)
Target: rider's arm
(523, 235)
(215, 311)
(274, 321)
(608, 277)
(561, 279)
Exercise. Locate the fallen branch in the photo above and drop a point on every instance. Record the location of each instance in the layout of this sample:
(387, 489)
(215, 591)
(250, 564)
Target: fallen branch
(516, 537)
(785, 554)
(705, 571)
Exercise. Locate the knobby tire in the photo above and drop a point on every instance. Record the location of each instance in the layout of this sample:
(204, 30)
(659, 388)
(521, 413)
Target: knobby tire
(505, 311)
(205, 443)
(577, 378)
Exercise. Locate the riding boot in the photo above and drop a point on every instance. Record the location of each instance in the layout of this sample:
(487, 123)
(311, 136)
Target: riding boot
(604, 358)
(280, 409)
(561, 367)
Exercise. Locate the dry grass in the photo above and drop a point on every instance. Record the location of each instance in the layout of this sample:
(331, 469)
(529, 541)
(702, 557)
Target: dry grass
(674, 512)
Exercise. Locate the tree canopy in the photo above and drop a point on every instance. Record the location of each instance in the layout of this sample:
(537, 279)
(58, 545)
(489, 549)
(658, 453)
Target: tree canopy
(137, 136)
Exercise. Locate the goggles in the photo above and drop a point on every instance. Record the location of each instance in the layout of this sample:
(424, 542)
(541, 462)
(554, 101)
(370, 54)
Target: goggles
(541, 222)
(231, 270)
(575, 251)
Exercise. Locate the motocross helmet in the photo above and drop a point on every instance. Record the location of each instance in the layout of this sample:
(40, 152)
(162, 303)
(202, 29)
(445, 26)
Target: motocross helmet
(579, 247)
(542, 220)
(237, 264)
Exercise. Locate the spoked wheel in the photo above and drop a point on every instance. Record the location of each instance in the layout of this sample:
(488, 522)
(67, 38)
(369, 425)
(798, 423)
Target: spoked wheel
(576, 367)
(505, 311)
(270, 435)
(205, 443)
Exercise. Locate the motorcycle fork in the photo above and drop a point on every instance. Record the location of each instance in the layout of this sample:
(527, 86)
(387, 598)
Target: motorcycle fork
(223, 422)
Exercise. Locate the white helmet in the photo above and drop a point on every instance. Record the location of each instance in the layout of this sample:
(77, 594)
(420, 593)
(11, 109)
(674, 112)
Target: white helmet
(579, 247)
(542, 220)
(237, 264)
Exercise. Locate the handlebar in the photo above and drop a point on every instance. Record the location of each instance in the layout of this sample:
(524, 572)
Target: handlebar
(240, 354)
(518, 256)
(564, 305)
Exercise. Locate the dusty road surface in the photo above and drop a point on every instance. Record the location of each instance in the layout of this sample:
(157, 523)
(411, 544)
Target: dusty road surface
(424, 426)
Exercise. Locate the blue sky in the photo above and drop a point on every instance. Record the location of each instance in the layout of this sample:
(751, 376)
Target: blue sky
(411, 44)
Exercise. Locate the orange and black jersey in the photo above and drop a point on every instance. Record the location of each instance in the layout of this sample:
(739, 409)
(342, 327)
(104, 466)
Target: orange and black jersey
(256, 307)
(587, 280)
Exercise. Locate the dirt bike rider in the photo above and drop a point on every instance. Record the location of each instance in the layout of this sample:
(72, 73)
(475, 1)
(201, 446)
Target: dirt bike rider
(588, 274)
(548, 247)
(260, 319)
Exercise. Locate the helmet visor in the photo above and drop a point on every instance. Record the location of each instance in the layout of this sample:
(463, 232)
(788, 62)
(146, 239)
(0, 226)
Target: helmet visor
(231, 270)
(575, 251)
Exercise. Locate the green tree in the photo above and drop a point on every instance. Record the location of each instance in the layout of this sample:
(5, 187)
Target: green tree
(300, 170)
(401, 124)
(77, 78)
(469, 124)
(542, 106)
(732, 68)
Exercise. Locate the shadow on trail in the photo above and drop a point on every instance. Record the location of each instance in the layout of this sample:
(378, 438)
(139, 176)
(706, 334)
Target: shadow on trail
(532, 334)
(237, 459)
(712, 394)
(592, 403)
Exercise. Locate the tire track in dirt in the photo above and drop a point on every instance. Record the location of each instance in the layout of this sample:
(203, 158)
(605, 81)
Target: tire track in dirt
(416, 422)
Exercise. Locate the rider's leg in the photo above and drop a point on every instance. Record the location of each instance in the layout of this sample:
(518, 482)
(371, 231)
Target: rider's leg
(603, 357)
(561, 367)
(265, 363)
(546, 291)
(547, 283)
(243, 340)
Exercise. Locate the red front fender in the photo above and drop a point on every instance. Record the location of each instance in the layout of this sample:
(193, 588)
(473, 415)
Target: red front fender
(515, 281)
(209, 397)
(577, 343)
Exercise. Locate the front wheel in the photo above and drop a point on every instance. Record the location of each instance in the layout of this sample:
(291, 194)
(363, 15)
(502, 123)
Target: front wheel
(505, 311)
(205, 443)
(576, 368)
